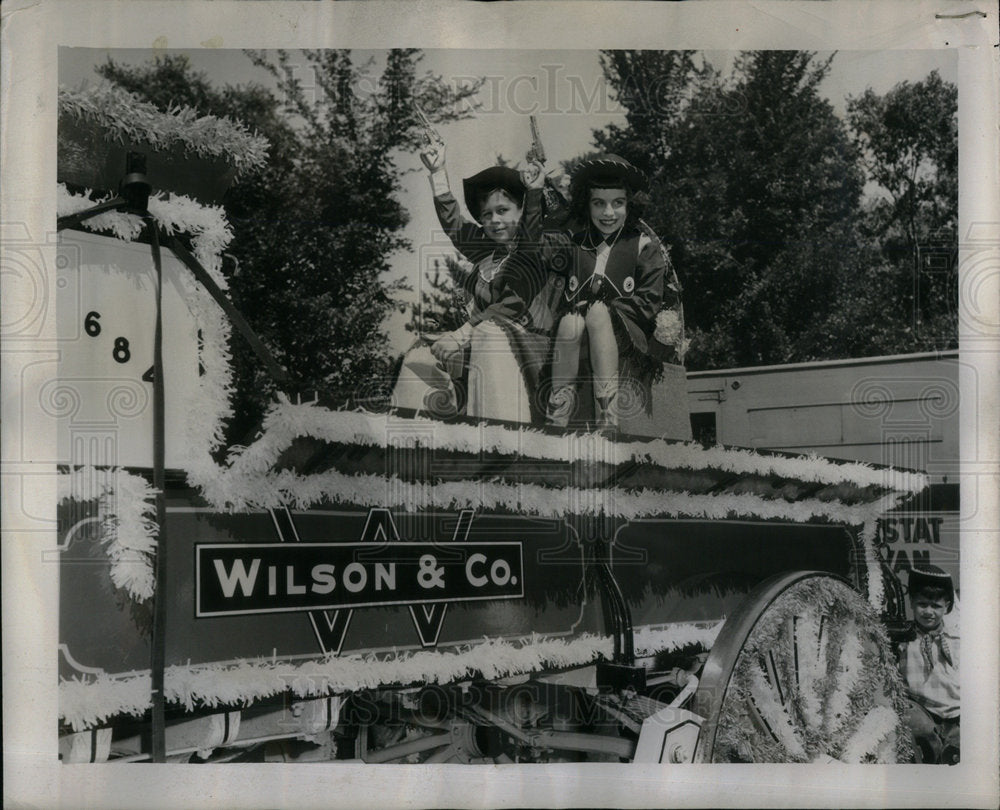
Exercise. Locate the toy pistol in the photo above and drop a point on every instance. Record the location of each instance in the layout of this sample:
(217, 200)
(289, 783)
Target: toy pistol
(537, 152)
(430, 132)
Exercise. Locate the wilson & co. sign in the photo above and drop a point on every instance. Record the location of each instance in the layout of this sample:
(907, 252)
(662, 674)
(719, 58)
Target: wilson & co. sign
(238, 578)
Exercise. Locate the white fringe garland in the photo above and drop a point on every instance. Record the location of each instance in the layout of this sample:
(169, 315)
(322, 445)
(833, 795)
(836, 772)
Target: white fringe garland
(775, 715)
(125, 116)
(873, 730)
(650, 640)
(287, 421)
(839, 703)
(127, 515)
(86, 703)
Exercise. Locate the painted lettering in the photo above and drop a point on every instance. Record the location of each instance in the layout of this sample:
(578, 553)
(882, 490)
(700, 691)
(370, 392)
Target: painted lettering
(889, 533)
(237, 576)
(355, 577)
(323, 580)
(935, 524)
(477, 581)
(385, 575)
(500, 572)
(907, 524)
(290, 586)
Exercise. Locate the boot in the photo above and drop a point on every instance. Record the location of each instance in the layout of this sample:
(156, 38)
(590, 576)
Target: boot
(605, 393)
(562, 404)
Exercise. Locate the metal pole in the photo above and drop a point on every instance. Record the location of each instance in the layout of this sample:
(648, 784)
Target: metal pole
(158, 741)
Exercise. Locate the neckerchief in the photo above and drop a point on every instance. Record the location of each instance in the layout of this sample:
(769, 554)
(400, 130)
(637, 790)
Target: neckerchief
(927, 641)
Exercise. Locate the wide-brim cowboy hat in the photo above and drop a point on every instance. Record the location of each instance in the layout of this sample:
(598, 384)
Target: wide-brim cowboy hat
(930, 575)
(608, 170)
(488, 180)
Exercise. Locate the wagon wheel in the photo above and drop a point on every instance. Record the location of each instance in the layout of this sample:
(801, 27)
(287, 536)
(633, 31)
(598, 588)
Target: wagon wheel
(802, 671)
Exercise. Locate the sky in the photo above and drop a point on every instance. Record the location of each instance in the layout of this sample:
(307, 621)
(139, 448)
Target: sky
(563, 88)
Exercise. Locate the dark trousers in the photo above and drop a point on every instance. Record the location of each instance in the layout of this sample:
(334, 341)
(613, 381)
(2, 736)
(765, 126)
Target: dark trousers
(935, 739)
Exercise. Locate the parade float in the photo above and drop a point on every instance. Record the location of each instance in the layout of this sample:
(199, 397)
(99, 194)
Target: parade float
(373, 584)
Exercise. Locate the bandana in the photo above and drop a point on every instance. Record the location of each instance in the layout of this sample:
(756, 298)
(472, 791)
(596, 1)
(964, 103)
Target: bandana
(927, 649)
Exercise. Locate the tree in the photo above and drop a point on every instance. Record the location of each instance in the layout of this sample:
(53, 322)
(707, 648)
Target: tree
(442, 303)
(654, 88)
(760, 189)
(908, 139)
(315, 231)
(759, 184)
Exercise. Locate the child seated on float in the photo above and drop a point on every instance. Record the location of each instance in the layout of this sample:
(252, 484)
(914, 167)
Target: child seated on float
(506, 338)
(929, 662)
(613, 291)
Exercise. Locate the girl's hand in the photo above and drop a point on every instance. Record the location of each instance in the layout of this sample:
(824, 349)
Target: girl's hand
(432, 156)
(559, 179)
(532, 174)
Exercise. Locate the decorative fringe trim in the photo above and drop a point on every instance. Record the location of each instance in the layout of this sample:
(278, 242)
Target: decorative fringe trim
(652, 640)
(286, 421)
(873, 731)
(86, 703)
(127, 117)
(251, 485)
(127, 516)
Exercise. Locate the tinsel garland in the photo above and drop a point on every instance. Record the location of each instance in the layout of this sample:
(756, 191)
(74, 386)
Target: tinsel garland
(90, 700)
(126, 514)
(838, 693)
(652, 640)
(126, 117)
(87, 702)
(248, 480)
(285, 421)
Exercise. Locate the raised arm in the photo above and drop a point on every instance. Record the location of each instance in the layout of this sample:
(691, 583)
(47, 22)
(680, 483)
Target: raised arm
(467, 237)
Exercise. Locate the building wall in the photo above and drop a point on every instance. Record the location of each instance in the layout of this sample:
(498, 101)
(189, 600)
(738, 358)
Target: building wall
(901, 411)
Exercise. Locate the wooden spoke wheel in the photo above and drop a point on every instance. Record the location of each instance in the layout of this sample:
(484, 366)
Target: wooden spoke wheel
(802, 671)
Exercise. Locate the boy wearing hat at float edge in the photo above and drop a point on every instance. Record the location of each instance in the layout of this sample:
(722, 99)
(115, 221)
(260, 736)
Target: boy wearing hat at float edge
(929, 664)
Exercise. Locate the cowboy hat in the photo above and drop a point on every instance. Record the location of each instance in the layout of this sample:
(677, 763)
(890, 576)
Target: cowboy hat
(606, 170)
(923, 576)
(502, 177)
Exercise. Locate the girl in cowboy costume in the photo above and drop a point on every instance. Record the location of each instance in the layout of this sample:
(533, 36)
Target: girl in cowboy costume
(504, 344)
(929, 661)
(614, 288)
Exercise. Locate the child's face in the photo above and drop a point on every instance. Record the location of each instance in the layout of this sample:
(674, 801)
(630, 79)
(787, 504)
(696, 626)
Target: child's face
(608, 207)
(928, 612)
(499, 216)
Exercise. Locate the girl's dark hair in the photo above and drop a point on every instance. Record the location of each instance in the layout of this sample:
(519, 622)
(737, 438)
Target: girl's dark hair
(484, 195)
(579, 204)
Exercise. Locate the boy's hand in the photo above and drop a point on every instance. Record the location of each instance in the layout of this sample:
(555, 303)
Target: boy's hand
(432, 155)
(532, 174)
(448, 350)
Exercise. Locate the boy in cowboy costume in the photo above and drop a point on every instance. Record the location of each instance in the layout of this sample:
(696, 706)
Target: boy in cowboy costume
(503, 346)
(929, 662)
